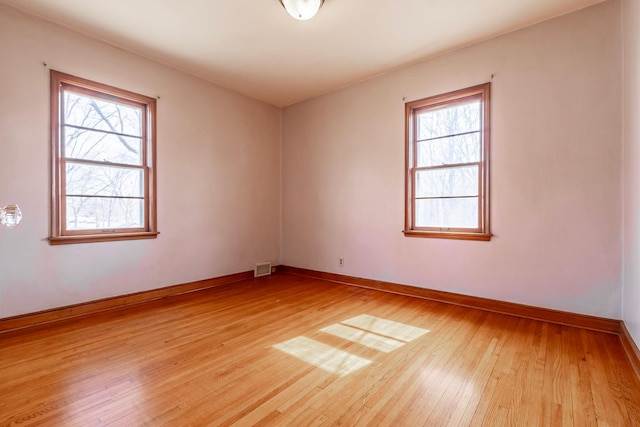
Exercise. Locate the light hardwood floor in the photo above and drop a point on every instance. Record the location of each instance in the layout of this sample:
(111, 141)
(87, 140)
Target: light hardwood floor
(289, 350)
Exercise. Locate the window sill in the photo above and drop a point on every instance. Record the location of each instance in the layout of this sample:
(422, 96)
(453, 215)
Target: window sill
(94, 238)
(485, 237)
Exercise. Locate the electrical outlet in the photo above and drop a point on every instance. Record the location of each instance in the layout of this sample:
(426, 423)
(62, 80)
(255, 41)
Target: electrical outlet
(341, 262)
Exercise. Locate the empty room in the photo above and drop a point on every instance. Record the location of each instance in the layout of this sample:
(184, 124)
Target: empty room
(320, 212)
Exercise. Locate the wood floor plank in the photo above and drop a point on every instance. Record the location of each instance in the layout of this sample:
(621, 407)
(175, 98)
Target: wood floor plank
(281, 350)
(494, 405)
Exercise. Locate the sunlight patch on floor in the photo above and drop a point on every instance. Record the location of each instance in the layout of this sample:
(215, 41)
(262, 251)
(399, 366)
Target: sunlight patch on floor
(370, 331)
(323, 356)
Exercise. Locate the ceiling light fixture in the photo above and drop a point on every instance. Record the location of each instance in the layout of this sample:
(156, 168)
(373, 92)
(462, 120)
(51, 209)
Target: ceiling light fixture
(10, 216)
(302, 9)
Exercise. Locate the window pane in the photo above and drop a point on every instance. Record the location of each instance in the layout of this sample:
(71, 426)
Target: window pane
(100, 146)
(447, 182)
(95, 113)
(92, 213)
(451, 150)
(449, 120)
(447, 213)
(95, 180)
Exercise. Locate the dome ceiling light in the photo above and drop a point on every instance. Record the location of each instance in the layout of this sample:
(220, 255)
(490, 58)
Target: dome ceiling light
(302, 10)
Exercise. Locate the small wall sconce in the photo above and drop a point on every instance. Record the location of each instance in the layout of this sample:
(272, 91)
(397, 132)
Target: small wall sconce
(302, 10)
(10, 216)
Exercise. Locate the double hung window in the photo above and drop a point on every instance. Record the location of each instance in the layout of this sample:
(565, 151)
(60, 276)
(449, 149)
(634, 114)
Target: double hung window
(103, 168)
(447, 165)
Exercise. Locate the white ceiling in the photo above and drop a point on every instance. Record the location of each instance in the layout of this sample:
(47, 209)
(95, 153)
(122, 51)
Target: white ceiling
(254, 47)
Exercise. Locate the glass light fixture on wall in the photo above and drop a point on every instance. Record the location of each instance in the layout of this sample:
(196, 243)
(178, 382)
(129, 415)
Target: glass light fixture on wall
(302, 9)
(10, 216)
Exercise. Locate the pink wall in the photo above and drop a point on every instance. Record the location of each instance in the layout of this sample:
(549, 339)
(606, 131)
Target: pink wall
(631, 287)
(218, 175)
(556, 180)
